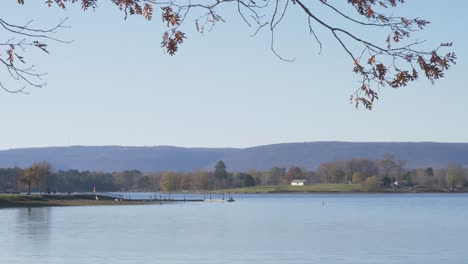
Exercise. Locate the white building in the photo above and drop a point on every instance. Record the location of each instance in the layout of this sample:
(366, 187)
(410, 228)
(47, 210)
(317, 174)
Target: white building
(298, 182)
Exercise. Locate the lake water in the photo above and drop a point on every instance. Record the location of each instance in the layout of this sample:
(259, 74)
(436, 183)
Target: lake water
(411, 228)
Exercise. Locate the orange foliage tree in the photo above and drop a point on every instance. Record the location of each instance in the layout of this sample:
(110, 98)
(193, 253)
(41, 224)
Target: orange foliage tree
(394, 61)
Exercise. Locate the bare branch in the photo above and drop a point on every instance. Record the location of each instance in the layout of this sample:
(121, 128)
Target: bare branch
(394, 62)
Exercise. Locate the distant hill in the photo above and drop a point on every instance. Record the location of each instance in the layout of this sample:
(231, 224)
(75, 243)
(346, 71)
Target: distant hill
(307, 155)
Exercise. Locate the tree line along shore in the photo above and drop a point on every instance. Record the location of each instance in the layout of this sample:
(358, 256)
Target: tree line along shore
(387, 174)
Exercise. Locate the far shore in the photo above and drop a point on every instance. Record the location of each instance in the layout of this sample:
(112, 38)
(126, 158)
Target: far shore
(333, 189)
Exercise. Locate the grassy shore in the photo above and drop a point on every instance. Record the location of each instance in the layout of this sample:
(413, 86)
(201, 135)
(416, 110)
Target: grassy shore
(334, 188)
(312, 188)
(22, 200)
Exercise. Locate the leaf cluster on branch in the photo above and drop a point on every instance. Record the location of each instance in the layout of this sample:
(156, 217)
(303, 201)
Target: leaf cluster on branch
(394, 62)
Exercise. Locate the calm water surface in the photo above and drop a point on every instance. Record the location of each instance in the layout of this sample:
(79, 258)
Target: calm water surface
(430, 228)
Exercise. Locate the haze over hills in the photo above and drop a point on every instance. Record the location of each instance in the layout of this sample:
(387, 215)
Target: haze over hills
(162, 158)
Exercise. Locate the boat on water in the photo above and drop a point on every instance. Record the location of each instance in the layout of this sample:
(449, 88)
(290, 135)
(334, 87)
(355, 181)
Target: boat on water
(230, 200)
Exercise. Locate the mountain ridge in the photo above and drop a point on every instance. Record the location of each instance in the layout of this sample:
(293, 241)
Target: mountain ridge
(162, 158)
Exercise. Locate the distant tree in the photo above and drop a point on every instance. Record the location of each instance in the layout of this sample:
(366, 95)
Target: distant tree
(408, 176)
(331, 172)
(275, 175)
(84, 181)
(102, 181)
(393, 59)
(144, 183)
(127, 180)
(356, 177)
(9, 179)
(294, 173)
(430, 172)
(260, 177)
(371, 184)
(26, 179)
(38, 175)
(440, 178)
(311, 177)
(220, 171)
(364, 167)
(249, 181)
(387, 181)
(185, 182)
(203, 180)
(423, 176)
(455, 175)
(42, 176)
(386, 165)
(154, 182)
(392, 167)
(169, 181)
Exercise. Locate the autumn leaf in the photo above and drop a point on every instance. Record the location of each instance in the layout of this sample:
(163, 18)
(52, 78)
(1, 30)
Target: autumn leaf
(10, 56)
(148, 11)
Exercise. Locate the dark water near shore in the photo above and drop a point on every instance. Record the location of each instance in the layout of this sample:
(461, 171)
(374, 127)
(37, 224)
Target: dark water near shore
(409, 228)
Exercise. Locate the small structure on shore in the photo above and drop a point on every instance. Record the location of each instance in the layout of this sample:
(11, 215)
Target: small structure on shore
(299, 182)
(401, 183)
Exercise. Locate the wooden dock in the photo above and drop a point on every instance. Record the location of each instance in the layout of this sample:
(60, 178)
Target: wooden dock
(155, 199)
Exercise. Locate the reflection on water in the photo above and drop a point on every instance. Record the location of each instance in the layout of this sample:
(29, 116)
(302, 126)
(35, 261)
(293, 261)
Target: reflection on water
(25, 235)
(34, 223)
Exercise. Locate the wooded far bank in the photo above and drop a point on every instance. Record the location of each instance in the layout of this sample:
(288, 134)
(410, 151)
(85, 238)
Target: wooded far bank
(368, 175)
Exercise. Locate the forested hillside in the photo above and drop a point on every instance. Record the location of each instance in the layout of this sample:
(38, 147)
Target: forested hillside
(305, 155)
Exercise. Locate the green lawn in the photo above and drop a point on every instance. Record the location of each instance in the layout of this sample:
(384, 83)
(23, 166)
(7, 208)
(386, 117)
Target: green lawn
(288, 188)
(16, 196)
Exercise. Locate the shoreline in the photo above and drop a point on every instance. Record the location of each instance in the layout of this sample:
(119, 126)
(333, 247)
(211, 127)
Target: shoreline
(35, 200)
(28, 204)
(331, 192)
(334, 188)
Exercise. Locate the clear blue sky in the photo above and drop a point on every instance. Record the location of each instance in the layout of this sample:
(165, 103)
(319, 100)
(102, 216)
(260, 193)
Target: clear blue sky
(114, 86)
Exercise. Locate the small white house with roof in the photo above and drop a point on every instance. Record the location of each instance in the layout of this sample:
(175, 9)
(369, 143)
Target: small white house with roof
(299, 182)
